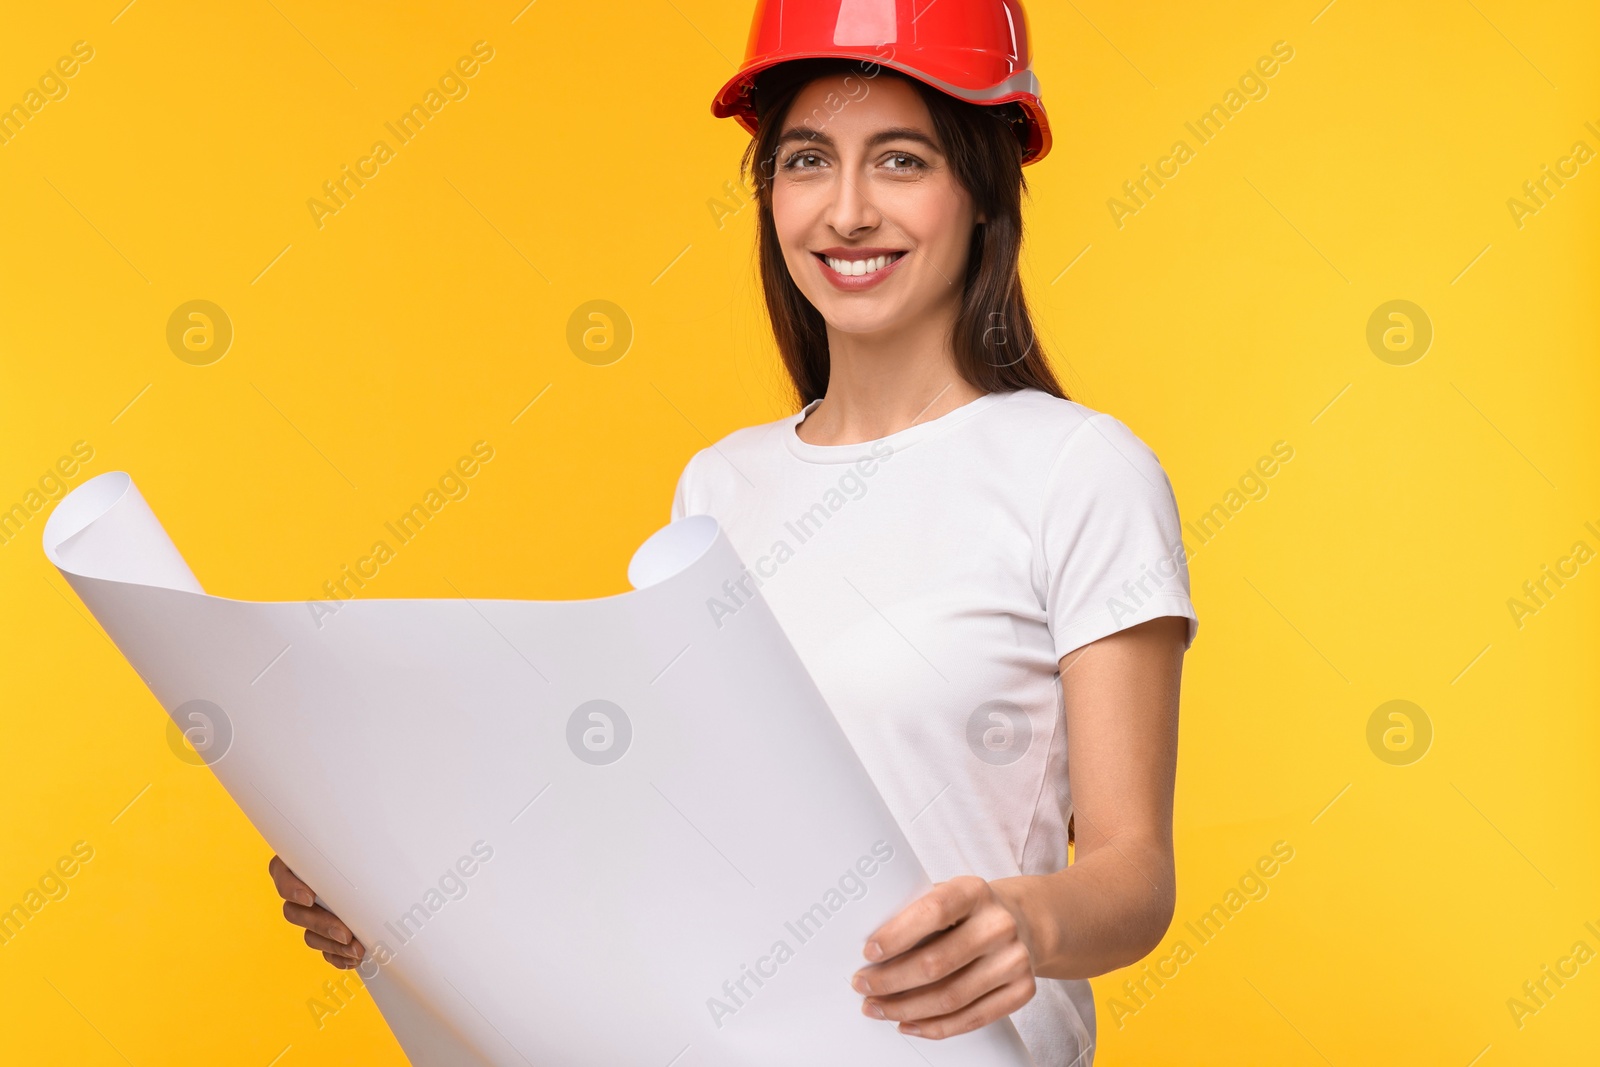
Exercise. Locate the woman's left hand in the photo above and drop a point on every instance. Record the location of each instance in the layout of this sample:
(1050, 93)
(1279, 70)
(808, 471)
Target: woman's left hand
(975, 966)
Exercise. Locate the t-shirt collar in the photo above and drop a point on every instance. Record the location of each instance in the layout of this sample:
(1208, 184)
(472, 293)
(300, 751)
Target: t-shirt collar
(899, 440)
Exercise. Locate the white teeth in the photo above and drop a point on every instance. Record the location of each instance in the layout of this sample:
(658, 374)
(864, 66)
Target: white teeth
(860, 266)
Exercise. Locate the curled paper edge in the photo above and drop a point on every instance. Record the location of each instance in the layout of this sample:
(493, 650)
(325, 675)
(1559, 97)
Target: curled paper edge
(104, 535)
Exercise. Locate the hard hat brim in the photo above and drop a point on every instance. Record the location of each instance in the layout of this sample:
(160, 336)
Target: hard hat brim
(736, 97)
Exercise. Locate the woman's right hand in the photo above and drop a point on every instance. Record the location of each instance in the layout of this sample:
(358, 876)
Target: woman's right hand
(324, 931)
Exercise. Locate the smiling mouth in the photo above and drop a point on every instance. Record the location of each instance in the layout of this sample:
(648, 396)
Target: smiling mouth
(856, 267)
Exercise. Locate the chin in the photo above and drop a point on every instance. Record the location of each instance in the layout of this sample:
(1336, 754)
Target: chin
(862, 320)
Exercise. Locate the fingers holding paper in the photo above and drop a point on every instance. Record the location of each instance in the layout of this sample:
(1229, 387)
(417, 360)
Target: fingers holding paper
(952, 961)
(324, 931)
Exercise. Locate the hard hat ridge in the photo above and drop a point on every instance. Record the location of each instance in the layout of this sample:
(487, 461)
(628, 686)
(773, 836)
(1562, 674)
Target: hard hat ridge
(974, 50)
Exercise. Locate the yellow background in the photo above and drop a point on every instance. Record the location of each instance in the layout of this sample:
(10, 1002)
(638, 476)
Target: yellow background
(1228, 314)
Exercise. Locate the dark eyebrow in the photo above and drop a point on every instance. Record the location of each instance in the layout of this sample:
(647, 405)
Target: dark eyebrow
(807, 135)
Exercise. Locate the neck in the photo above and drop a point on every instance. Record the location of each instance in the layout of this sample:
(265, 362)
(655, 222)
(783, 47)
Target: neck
(881, 384)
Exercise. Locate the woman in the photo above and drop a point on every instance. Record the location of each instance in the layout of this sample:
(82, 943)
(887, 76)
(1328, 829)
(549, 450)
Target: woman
(985, 579)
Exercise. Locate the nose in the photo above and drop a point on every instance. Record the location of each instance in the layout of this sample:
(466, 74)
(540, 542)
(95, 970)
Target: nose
(851, 213)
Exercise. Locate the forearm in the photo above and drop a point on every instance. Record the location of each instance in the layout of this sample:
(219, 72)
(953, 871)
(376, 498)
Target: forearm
(1105, 911)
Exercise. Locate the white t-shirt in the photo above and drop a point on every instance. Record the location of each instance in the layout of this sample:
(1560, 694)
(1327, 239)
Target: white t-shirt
(931, 581)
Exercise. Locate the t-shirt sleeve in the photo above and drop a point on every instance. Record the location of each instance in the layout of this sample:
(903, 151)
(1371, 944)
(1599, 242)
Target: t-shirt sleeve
(1110, 539)
(681, 497)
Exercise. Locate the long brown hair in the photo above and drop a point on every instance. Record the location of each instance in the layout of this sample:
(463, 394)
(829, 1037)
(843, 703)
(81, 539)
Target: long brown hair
(996, 346)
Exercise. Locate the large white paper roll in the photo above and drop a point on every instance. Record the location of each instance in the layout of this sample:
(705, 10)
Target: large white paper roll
(621, 831)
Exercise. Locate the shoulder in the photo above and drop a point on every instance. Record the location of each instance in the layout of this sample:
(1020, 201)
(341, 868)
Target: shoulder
(1089, 471)
(1069, 443)
(1065, 420)
(717, 467)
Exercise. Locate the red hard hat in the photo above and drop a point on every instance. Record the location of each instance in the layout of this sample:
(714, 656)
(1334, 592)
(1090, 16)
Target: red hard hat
(974, 50)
